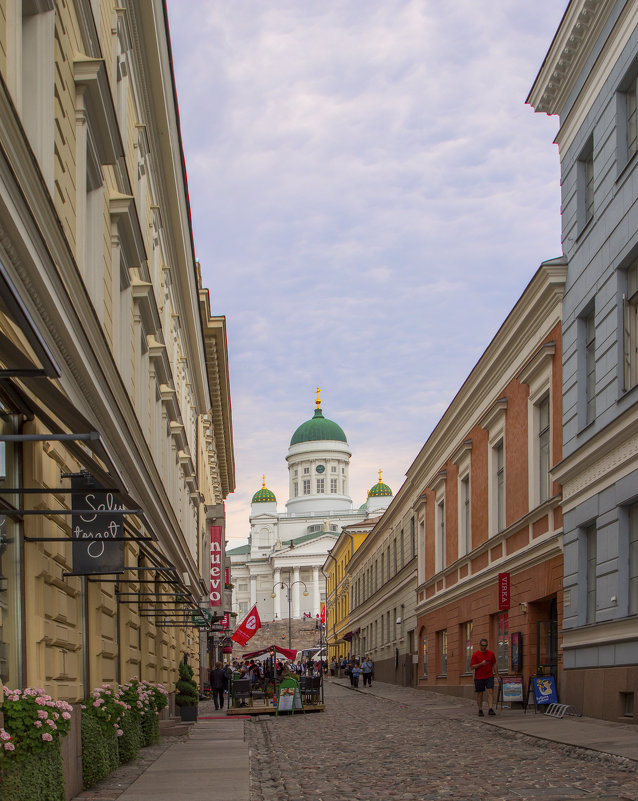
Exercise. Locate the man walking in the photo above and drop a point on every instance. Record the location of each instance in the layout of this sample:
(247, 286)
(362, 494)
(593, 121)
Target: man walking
(483, 663)
(367, 669)
(217, 679)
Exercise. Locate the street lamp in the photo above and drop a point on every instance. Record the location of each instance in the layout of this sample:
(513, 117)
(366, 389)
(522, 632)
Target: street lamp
(288, 587)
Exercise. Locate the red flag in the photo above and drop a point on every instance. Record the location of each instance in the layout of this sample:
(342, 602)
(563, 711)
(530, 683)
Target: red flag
(248, 627)
(323, 613)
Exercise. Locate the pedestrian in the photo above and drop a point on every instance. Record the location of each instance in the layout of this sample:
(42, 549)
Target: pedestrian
(355, 672)
(218, 680)
(367, 668)
(333, 667)
(483, 663)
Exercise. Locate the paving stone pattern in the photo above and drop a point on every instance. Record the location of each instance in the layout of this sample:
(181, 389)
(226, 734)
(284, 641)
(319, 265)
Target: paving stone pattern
(417, 746)
(111, 788)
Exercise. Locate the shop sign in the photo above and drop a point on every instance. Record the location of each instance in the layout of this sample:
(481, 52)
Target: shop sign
(98, 545)
(503, 591)
(215, 594)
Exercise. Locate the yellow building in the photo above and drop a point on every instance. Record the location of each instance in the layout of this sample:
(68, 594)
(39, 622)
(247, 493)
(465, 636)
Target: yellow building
(338, 631)
(113, 372)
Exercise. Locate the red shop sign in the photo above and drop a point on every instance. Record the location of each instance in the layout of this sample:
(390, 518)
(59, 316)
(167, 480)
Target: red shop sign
(503, 591)
(215, 593)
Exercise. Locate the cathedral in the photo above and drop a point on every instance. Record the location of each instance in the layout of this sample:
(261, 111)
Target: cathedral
(280, 567)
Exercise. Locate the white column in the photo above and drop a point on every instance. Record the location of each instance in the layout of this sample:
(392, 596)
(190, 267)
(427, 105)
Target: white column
(316, 594)
(278, 591)
(296, 593)
(253, 591)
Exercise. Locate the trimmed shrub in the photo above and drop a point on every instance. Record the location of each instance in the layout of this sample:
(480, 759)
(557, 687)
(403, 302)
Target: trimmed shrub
(33, 777)
(130, 742)
(186, 688)
(99, 750)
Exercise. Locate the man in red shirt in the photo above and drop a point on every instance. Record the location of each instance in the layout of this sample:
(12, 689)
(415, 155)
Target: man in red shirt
(483, 663)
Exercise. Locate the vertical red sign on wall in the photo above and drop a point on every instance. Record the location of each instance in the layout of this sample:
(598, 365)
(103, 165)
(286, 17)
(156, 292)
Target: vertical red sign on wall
(503, 591)
(215, 596)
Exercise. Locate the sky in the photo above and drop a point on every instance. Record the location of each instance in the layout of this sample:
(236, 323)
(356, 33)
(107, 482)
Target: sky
(370, 195)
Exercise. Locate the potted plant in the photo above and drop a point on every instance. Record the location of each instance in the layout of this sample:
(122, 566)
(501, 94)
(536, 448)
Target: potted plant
(186, 695)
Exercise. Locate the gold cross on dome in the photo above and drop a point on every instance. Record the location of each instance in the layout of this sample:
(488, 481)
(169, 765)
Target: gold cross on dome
(380, 474)
(263, 480)
(318, 401)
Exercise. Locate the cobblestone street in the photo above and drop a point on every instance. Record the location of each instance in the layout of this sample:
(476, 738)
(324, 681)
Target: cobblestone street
(420, 746)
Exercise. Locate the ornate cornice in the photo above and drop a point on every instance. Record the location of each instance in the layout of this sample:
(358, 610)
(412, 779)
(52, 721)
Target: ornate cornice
(572, 43)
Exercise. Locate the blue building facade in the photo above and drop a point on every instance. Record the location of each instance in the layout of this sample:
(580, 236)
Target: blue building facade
(590, 80)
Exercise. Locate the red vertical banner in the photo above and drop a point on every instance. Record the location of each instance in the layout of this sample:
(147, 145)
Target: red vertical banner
(503, 591)
(215, 595)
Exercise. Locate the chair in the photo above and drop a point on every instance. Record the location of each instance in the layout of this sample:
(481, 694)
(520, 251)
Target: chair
(240, 691)
(305, 688)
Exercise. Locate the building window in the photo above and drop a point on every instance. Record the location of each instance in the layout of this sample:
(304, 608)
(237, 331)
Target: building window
(626, 119)
(466, 636)
(542, 411)
(440, 535)
(632, 127)
(306, 471)
(630, 329)
(464, 517)
(295, 489)
(443, 652)
(590, 368)
(585, 185)
(402, 538)
(424, 657)
(502, 642)
(320, 486)
(394, 548)
(412, 538)
(306, 486)
(333, 486)
(591, 541)
(295, 474)
(633, 560)
(10, 606)
(498, 467)
(333, 469)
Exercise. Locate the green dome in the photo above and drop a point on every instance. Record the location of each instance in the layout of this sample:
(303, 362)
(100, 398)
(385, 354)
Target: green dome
(380, 490)
(317, 428)
(264, 496)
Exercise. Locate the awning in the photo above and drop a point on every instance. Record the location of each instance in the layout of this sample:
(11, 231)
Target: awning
(287, 653)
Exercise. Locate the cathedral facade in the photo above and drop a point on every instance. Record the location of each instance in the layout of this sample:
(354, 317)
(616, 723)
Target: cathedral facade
(280, 567)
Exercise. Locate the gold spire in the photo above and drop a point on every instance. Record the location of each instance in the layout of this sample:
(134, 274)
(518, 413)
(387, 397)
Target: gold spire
(380, 474)
(263, 481)
(318, 401)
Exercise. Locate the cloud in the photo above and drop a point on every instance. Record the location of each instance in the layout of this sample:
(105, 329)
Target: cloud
(370, 195)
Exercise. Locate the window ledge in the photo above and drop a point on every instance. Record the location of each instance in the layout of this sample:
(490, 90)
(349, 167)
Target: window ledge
(626, 168)
(467, 674)
(441, 676)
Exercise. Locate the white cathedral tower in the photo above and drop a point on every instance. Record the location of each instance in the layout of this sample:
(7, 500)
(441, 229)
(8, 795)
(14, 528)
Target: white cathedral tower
(288, 549)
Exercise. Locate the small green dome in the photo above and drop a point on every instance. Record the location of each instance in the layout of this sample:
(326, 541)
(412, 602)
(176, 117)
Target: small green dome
(318, 428)
(264, 495)
(363, 506)
(380, 490)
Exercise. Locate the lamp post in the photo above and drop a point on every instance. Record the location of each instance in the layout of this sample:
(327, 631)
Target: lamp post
(288, 585)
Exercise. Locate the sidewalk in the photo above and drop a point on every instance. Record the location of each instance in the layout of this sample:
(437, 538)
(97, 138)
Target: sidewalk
(211, 765)
(601, 736)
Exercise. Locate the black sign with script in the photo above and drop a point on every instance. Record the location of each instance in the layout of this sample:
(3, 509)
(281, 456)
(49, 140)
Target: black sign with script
(94, 550)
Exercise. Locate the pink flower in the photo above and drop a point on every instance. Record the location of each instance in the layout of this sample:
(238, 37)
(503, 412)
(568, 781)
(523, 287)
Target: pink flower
(96, 704)
(37, 723)
(47, 737)
(66, 715)
(119, 732)
(52, 724)
(9, 747)
(42, 714)
(4, 735)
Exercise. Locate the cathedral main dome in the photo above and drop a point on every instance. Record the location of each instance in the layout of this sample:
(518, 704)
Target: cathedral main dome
(318, 428)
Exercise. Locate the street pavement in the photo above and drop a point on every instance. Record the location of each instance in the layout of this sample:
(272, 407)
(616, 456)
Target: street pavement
(401, 744)
(386, 743)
